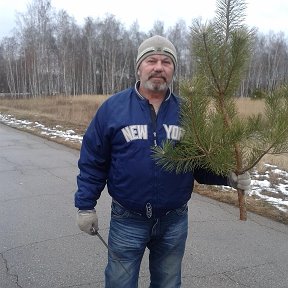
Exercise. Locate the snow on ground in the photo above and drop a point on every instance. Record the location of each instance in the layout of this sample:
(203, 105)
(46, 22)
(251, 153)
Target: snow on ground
(271, 184)
(54, 132)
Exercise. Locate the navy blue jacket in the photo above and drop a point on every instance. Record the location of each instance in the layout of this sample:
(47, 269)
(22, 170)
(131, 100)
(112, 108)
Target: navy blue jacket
(116, 150)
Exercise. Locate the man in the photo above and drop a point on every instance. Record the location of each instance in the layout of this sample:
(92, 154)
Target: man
(149, 204)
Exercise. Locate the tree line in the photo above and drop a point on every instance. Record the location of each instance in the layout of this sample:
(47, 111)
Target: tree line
(48, 53)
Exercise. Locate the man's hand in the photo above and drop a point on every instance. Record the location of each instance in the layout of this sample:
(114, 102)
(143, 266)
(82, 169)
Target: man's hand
(87, 221)
(242, 181)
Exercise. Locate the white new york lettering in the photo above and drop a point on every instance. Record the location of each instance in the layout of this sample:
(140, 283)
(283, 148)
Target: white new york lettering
(142, 132)
(173, 132)
(168, 129)
(127, 133)
(135, 132)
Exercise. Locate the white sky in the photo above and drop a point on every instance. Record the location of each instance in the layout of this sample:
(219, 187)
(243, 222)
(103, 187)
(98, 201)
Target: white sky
(266, 15)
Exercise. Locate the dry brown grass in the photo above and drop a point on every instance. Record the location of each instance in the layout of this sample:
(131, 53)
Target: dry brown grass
(77, 110)
(68, 112)
(76, 113)
(247, 107)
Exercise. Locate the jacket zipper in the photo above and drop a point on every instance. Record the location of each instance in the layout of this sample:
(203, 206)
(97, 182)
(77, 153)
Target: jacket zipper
(149, 208)
(154, 123)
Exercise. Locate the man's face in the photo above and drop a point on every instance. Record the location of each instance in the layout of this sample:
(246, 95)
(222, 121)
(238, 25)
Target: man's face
(156, 72)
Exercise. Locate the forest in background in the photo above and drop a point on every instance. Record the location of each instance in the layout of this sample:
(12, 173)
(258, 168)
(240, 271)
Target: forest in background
(48, 53)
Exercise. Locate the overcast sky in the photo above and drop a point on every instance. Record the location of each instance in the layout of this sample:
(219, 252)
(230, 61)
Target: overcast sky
(266, 15)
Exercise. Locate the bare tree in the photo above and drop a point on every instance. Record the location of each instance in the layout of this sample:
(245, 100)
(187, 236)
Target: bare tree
(10, 54)
(157, 29)
(35, 32)
(3, 79)
(179, 35)
(69, 55)
(268, 66)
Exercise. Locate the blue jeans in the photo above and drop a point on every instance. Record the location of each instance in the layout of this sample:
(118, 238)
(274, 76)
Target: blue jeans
(131, 233)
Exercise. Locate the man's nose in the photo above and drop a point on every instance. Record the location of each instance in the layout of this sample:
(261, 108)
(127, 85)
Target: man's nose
(158, 66)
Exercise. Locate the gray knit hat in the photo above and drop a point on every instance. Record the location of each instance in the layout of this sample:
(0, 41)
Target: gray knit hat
(156, 45)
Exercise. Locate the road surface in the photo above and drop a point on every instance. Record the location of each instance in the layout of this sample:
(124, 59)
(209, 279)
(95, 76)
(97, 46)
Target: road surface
(40, 245)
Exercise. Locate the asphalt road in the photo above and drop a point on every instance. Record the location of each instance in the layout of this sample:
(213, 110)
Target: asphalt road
(40, 245)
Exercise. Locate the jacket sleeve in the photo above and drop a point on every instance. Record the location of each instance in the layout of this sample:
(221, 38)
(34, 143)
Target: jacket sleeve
(93, 163)
(203, 176)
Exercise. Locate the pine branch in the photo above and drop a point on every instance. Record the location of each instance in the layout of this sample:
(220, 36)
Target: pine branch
(216, 137)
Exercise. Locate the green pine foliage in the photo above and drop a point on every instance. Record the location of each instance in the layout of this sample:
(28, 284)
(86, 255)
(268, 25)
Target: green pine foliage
(216, 137)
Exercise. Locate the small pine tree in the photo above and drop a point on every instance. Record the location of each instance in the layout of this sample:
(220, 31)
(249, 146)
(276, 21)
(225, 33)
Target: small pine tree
(216, 137)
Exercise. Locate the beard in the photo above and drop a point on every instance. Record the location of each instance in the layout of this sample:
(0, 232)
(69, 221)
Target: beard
(156, 86)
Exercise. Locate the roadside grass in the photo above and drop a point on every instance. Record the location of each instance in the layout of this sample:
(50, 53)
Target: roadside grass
(76, 112)
(73, 112)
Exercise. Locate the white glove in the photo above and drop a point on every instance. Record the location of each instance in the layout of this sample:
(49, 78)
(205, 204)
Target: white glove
(87, 221)
(242, 181)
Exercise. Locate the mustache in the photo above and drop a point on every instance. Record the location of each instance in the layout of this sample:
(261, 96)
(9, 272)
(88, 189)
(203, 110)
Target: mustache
(159, 75)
